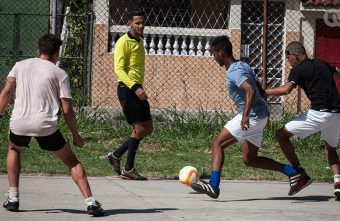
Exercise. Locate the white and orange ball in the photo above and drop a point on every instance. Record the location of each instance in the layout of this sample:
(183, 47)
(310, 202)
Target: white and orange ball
(188, 175)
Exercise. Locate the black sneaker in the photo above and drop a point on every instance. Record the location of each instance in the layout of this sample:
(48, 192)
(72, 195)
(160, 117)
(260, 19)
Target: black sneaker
(132, 175)
(114, 162)
(298, 182)
(96, 209)
(206, 188)
(11, 205)
(337, 191)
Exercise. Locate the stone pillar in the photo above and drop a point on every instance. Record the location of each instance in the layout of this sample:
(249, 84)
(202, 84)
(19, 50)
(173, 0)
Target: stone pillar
(103, 89)
(292, 33)
(235, 26)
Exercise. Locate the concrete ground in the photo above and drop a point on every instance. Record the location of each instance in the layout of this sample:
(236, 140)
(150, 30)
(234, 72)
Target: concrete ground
(49, 198)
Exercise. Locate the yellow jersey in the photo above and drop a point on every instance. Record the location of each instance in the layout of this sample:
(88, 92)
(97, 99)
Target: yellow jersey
(129, 60)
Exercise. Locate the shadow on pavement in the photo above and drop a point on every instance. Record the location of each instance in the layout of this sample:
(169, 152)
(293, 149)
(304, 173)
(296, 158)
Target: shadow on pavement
(54, 211)
(108, 212)
(129, 211)
(316, 198)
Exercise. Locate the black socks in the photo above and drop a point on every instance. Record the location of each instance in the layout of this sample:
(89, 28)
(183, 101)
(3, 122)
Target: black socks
(131, 144)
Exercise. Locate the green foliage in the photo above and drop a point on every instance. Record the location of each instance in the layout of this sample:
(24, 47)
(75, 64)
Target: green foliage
(78, 6)
(74, 58)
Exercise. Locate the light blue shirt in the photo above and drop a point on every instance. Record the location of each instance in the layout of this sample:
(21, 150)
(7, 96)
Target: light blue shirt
(237, 73)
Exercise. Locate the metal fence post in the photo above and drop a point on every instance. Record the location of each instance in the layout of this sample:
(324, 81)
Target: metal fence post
(264, 44)
(54, 16)
(89, 45)
(16, 38)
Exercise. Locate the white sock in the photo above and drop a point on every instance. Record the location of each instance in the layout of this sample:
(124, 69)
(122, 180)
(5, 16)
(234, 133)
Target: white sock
(90, 201)
(336, 178)
(13, 192)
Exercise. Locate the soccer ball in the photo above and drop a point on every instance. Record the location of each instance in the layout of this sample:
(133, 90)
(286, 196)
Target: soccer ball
(188, 175)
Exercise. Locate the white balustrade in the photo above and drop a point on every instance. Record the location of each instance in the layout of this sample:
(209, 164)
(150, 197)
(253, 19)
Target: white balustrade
(184, 47)
(199, 47)
(160, 45)
(152, 45)
(112, 44)
(191, 47)
(145, 46)
(174, 44)
(168, 46)
(207, 48)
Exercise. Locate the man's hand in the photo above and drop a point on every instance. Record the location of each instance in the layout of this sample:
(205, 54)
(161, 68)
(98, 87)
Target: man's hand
(7, 93)
(78, 141)
(141, 94)
(245, 123)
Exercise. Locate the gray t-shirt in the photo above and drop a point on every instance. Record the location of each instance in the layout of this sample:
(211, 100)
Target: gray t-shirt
(39, 86)
(236, 74)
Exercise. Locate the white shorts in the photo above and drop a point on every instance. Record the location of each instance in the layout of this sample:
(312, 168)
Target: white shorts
(254, 134)
(313, 121)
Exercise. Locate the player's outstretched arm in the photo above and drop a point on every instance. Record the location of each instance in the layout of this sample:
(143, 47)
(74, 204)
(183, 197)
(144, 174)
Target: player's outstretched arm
(7, 93)
(261, 90)
(70, 119)
(281, 90)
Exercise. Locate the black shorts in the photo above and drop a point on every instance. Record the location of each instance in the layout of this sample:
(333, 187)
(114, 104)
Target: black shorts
(134, 109)
(51, 142)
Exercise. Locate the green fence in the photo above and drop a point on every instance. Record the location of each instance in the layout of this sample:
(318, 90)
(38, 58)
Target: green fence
(180, 71)
(23, 22)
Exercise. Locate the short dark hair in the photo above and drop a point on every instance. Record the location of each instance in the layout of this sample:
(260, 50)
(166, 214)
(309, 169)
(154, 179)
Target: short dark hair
(49, 44)
(222, 43)
(295, 48)
(134, 13)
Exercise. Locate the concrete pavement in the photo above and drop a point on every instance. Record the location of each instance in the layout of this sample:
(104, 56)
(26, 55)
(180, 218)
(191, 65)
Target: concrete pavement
(57, 198)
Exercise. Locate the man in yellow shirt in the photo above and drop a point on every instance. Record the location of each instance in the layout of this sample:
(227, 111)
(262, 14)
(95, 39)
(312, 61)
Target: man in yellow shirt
(129, 64)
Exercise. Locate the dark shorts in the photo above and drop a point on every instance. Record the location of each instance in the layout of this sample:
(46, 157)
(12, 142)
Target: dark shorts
(135, 110)
(51, 142)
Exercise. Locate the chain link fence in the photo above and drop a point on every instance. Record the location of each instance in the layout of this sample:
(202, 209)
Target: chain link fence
(180, 72)
(25, 21)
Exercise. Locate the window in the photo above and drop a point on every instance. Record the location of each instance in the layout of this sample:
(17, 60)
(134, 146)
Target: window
(207, 14)
(170, 13)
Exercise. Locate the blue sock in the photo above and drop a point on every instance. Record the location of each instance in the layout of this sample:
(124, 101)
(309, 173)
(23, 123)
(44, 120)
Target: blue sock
(289, 170)
(215, 178)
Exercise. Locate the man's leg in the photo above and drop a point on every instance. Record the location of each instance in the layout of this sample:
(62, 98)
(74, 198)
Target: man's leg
(76, 169)
(114, 157)
(142, 129)
(139, 131)
(283, 137)
(13, 165)
(222, 141)
(298, 178)
(333, 160)
(13, 173)
(250, 158)
(121, 150)
(79, 177)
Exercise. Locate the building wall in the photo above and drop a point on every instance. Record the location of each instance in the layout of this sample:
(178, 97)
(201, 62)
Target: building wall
(103, 91)
(170, 81)
(181, 81)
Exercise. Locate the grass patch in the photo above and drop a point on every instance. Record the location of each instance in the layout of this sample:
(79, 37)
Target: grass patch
(179, 139)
